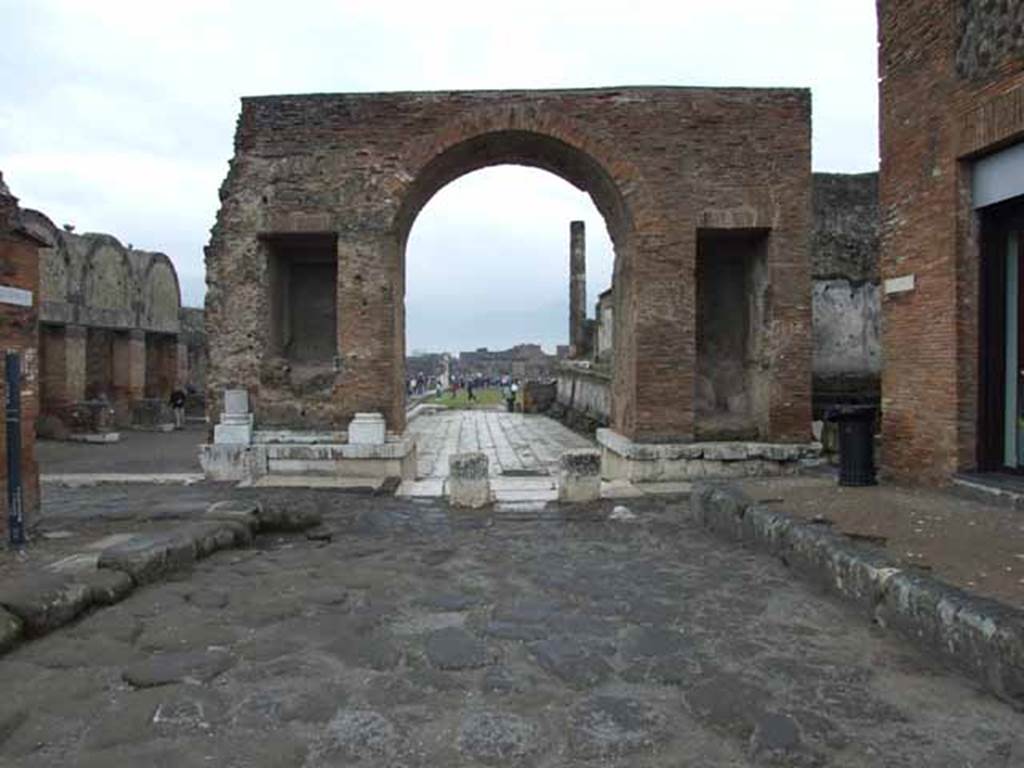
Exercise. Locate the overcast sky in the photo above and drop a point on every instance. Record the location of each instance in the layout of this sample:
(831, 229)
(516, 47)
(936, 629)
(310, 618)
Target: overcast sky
(119, 116)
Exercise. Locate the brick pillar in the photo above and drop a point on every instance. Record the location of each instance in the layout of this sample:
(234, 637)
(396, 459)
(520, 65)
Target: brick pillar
(181, 374)
(371, 327)
(130, 366)
(577, 289)
(74, 363)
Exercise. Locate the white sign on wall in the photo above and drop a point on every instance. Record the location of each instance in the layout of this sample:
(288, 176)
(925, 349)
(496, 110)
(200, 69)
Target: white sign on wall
(899, 284)
(16, 296)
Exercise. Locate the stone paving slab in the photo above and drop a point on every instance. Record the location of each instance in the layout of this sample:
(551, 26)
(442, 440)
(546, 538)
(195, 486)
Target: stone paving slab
(644, 644)
(513, 442)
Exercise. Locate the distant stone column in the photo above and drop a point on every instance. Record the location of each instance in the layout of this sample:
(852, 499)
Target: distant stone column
(577, 289)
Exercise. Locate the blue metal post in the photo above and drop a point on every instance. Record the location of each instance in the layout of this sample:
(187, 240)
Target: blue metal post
(12, 409)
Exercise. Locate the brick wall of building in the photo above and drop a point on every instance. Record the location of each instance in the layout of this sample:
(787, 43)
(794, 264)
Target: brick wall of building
(19, 332)
(951, 88)
(660, 163)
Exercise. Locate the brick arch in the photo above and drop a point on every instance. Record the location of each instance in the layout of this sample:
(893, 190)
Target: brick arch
(526, 135)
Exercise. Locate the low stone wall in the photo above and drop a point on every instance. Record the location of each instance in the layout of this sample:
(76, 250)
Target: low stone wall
(584, 397)
(981, 636)
(623, 459)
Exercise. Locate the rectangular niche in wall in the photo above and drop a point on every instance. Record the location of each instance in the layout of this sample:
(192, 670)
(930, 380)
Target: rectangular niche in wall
(304, 298)
(732, 381)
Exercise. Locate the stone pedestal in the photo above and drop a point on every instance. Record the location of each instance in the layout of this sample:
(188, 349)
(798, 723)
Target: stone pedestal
(235, 427)
(469, 483)
(367, 429)
(579, 476)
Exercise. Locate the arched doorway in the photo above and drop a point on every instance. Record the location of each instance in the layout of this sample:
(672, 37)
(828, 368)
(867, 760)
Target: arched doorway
(523, 148)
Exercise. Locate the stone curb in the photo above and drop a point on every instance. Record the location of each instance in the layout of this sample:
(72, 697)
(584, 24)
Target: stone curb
(981, 636)
(42, 602)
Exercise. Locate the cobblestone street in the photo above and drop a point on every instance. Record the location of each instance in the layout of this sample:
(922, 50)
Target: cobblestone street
(421, 637)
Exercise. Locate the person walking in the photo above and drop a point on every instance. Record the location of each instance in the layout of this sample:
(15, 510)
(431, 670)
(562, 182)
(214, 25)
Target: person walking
(177, 402)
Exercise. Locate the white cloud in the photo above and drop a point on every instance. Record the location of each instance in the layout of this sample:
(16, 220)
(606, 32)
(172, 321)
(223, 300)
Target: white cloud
(119, 115)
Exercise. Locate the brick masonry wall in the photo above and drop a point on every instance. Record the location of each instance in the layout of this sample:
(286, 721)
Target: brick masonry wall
(932, 121)
(659, 163)
(19, 332)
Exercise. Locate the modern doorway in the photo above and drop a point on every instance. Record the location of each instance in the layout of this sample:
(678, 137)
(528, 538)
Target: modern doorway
(1001, 342)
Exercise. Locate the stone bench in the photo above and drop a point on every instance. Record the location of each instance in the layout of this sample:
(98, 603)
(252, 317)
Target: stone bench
(579, 476)
(469, 483)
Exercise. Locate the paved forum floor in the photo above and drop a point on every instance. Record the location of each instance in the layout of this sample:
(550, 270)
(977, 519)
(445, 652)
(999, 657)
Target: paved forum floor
(522, 449)
(422, 637)
(137, 452)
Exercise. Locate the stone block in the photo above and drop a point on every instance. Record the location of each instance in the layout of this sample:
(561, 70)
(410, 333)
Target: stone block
(579, 476)
(147, 558)
(232, 434)
(725, 451)
(44, 602)
(233, 462)
(235, 510)
(282, 517)
(469, 482)
(367, 429)
(236, 402)
(10, 630)
(107, 586)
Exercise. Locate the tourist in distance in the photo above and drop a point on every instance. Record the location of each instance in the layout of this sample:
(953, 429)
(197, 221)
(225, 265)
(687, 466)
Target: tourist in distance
(177, 403)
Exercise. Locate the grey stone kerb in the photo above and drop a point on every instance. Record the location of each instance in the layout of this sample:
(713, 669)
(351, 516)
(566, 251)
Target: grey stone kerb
(984, 637)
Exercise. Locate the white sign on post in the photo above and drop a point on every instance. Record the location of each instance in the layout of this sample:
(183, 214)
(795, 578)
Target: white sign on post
(16, 296)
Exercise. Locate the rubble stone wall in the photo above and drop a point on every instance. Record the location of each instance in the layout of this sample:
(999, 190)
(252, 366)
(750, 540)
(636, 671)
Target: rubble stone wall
(846, 297)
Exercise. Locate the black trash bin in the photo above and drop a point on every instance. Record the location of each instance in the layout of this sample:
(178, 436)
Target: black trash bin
(856, 443)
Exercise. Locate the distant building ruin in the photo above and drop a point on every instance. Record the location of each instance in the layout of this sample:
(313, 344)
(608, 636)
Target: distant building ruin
(111, 344)
(523, 361)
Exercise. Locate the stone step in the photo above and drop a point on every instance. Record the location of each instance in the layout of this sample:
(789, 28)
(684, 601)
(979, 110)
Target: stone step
(293, 437)
(304, 452)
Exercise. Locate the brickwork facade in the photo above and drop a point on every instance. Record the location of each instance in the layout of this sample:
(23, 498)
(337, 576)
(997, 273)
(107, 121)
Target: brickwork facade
(660, 163)
(19, 333)
(952, 89)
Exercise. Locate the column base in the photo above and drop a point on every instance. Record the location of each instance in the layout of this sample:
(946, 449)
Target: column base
(624, 459)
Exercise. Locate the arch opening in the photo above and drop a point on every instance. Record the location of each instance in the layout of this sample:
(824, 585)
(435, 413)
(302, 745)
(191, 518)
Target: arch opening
(527, 148)
(568, 163)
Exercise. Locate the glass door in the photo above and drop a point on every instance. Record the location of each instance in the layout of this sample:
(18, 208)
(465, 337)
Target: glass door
(1013, 442)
